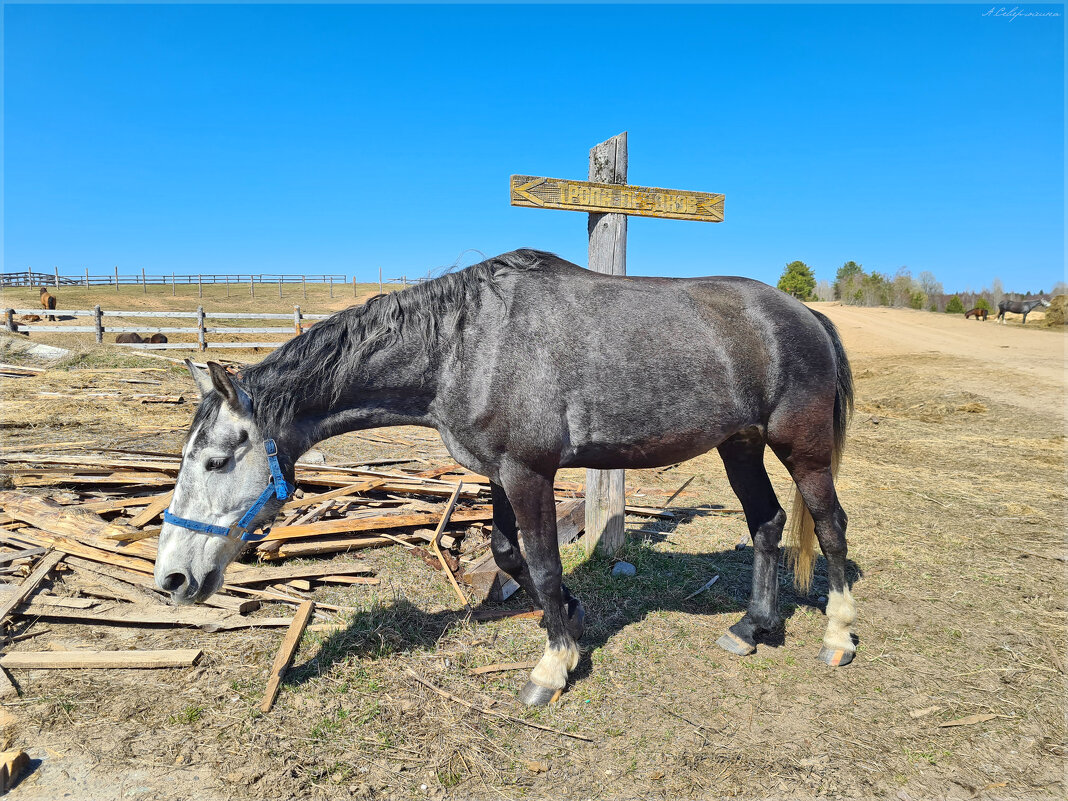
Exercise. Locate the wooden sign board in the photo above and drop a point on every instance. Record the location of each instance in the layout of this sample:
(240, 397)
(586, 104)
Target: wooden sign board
(641, 201)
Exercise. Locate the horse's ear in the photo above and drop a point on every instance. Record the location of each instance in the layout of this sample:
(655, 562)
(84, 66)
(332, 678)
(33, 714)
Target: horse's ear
(200, 378)
(235, 397)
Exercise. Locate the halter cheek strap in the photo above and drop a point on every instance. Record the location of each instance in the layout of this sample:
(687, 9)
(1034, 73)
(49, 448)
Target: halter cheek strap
(277, 487)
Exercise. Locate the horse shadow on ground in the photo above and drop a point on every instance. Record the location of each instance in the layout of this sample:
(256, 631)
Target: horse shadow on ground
(664, 582)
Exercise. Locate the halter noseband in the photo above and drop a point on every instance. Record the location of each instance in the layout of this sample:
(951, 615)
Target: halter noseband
(276, 486)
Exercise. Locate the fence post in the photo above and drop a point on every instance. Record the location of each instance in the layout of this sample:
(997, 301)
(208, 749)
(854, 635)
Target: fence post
(173, 288)
(354, 287)
(380, 290)
(331, 286)
(144, 283)
(200, 287)
(29, 276)
(227, 284)
(86, 277)
(404, 279)
(11, 320)
(57, 276)
(98, 320)
(252, 285)
(297, 327)
(279, 287)
(203, 342)
(304, 285)
(116, 276)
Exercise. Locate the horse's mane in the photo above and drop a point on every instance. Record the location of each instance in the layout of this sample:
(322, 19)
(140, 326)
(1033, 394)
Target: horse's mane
(310, 370)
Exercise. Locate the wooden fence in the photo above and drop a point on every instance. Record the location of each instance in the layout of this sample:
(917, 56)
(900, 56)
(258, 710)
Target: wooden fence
(201, 329)
(31, 278)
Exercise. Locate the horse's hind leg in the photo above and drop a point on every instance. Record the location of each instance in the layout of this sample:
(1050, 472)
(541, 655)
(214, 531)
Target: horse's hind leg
(815, 481)
(531, 496)
(743, 459)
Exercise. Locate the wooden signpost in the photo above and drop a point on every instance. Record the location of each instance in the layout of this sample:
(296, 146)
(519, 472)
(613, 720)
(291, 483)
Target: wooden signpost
(608, 200)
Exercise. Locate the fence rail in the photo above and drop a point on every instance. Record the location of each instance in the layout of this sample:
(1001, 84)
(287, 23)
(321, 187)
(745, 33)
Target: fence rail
(31, 278)
(201, 329)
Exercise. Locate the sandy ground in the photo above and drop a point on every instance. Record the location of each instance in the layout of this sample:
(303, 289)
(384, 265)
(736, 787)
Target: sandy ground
(1035, 357)
(954, 480)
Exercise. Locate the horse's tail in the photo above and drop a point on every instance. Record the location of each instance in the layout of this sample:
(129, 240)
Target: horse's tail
(801, 537)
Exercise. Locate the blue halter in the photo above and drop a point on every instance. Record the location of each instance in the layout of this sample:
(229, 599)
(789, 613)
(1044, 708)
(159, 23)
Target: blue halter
(276, 486)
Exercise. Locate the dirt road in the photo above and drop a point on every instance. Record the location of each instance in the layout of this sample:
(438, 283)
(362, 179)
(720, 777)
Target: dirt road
(1035, 356)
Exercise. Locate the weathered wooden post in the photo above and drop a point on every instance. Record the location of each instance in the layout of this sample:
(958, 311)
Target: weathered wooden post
(354, 287)
(227, 279)
(605, 489)
(304, 285)
(201, 338)
(380, 290)
(116, 276)
(10, 314)
(252, 285)
(608, 200)
(98, 321)
(174, 289)
(144, 283)
(57, 276)
(279, 287)
(404, 281)
(331, 286)
(86, 277)
(200, 286)
(298, 329)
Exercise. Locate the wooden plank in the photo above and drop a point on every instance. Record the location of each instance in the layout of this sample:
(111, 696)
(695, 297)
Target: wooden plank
(152, 511)
(24, 660)
(570, 520)
(40, 572)
(50, 516)
(501, 667)
(437, 547)
(319, 547)
(602, 195)
(159, 465)
(350, 525)
(285, 654)
(256, 575)
(135, 615)
(608, 254)
(27, 553)
(350, 489)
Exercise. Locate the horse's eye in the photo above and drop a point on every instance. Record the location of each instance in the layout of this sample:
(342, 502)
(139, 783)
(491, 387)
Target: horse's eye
(217, 463)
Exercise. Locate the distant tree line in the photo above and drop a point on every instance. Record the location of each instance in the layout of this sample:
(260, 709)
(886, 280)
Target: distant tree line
(856, 287)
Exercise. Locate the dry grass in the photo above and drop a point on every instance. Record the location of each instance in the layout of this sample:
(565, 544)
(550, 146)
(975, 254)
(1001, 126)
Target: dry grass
(957, 507)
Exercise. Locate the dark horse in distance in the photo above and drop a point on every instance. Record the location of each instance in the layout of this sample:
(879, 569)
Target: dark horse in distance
(525, 364)
(978, 313)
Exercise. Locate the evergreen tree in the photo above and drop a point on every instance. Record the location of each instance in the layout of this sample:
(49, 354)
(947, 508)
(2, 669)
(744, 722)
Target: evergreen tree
(798, 280)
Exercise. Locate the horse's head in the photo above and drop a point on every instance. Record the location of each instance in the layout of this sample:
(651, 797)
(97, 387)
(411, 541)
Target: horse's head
(226, 472)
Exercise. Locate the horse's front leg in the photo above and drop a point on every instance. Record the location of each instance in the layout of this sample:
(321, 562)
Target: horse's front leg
(531, 497)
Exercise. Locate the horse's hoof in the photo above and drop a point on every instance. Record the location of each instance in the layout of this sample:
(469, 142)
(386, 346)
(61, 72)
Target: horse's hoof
(835, 657)
(734, 644)
(576, 619)
(535, 695)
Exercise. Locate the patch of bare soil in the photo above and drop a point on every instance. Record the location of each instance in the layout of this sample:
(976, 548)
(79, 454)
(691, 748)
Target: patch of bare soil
(954, 484)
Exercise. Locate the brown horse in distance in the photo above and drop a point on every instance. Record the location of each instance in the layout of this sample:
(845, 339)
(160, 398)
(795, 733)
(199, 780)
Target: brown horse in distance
(980, 314)
(48, 302)
(129, 339)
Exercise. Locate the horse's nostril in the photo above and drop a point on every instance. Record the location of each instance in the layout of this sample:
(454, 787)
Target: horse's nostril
(173, 582)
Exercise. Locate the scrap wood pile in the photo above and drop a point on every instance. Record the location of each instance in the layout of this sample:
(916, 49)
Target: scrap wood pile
(85, 525)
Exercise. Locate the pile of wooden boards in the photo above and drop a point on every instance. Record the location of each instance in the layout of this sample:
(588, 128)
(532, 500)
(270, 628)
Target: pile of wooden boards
(91, 519)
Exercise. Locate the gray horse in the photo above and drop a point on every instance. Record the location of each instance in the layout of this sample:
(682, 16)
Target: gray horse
(526, 364)
(1024, 307)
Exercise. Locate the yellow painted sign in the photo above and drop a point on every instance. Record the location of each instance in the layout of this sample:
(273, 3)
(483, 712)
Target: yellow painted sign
(641, 201)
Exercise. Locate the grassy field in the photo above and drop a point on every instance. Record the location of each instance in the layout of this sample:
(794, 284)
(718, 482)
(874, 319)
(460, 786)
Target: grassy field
(954, 483)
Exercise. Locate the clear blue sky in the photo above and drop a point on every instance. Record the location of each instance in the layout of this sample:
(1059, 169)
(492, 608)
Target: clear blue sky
(203, 138)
